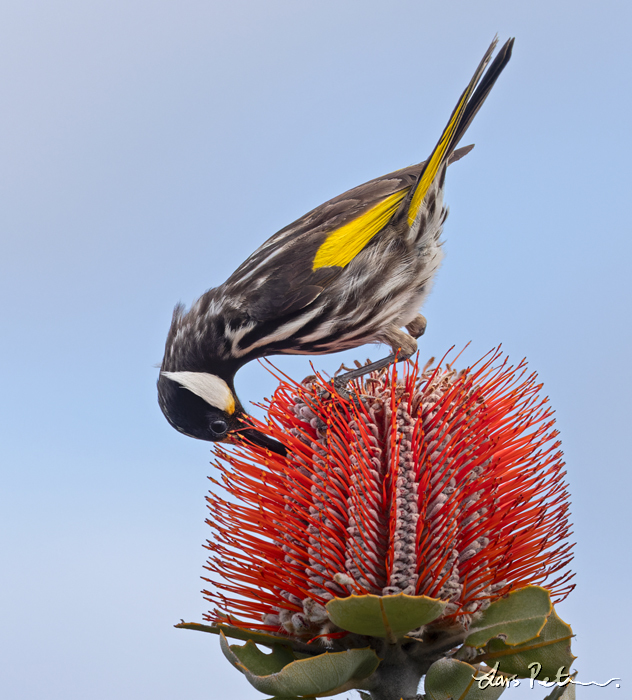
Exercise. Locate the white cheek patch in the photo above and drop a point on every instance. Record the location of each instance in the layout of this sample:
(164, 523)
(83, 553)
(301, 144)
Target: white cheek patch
(209, 387)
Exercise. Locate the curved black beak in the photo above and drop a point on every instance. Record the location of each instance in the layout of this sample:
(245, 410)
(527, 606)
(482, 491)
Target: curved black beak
(256, 438)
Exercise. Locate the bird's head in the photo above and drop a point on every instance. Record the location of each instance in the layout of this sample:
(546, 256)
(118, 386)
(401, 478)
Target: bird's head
(204, 406)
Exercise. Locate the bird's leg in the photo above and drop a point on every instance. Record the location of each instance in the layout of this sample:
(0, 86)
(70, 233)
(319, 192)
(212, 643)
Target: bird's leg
(417, 327)
(403, 345)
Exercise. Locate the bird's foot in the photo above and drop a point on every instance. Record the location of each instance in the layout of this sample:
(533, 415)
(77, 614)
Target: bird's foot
(340, 385)
(342, 380)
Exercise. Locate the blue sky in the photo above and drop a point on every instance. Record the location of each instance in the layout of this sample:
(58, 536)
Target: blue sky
(147, 148)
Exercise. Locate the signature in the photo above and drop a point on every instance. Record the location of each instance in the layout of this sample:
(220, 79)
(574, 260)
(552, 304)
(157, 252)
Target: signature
(495, 678)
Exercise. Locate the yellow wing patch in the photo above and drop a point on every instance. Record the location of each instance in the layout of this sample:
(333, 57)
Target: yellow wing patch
(343, 244)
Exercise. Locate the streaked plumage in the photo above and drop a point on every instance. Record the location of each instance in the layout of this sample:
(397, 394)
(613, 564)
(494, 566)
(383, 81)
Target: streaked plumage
(354, 270)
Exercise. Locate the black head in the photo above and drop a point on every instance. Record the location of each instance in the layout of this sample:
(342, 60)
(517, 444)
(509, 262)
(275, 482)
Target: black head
(192, 414)
(204, 406)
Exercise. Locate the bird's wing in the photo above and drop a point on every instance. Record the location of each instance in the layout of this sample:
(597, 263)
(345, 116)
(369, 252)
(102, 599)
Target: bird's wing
(292, 268)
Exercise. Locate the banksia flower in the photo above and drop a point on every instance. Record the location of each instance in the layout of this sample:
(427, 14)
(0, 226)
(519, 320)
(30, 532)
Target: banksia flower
(431, 483)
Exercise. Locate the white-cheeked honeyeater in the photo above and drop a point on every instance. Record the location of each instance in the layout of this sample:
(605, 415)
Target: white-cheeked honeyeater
(354, 270)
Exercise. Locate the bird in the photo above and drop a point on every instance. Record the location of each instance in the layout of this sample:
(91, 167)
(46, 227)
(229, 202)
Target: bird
(354, 270)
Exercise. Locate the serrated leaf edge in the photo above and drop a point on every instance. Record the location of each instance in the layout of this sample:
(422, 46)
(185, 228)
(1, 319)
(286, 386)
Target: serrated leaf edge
(513, 651)
(515, 644)
(235, 661)
(389, 635)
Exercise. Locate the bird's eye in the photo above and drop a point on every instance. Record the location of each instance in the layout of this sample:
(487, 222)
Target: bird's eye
(219, 427)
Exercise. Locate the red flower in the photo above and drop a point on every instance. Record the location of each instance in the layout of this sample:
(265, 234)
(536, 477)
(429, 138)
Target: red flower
(437, 483)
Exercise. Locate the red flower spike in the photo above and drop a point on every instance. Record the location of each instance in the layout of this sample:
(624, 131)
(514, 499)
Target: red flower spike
(436, 483)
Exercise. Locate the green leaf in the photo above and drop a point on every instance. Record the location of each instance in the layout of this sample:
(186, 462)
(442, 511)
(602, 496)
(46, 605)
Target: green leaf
(390, 616)
(327, 673)
(563, 692)
(549, 652)
(449, 679)
(260, 663)
(268, 640)
(519, 617)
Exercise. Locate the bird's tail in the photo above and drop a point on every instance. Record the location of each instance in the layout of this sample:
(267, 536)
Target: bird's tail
(469, 103)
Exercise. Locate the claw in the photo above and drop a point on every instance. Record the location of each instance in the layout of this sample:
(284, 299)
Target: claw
(341, 387)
